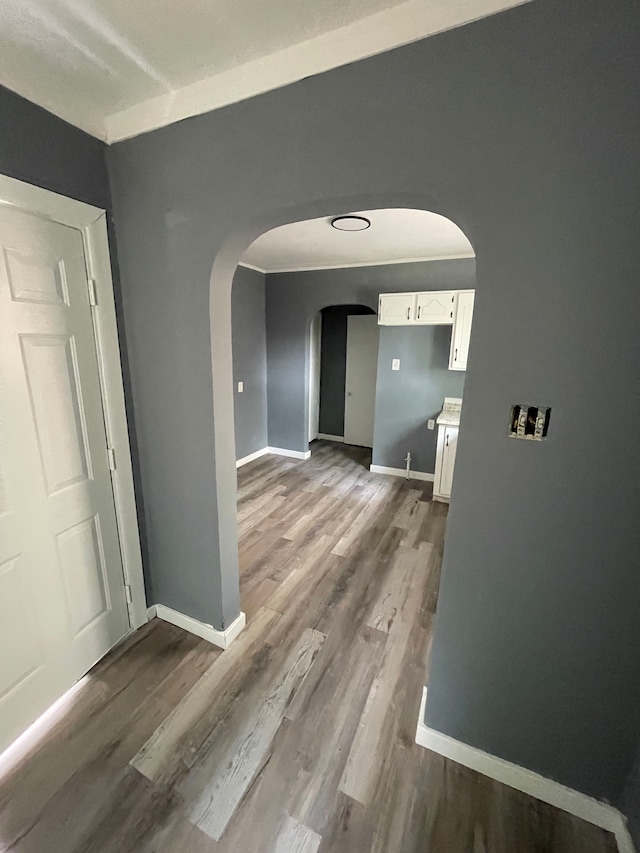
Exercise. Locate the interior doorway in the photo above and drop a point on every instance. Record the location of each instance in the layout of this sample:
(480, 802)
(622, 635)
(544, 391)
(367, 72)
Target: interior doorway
(70, 571)
(315, 350)
(334, 399)
(360, 379)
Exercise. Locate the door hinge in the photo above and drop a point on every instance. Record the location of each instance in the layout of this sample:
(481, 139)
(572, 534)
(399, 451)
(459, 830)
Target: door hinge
(91, 284)
(111, 454)
(128, 593)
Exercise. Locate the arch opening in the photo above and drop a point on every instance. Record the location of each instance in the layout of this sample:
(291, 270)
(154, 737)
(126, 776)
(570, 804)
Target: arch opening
(239, 248)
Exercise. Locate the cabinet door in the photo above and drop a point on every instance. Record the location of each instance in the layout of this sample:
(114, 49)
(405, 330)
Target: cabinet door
(448, 460)
(396, 309)
(435, 308)
(461, 335)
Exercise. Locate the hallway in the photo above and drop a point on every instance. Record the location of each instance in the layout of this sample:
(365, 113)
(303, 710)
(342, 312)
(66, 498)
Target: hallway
(300, 737)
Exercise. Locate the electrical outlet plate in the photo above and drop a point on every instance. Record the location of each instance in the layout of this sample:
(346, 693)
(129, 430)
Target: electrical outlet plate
(240, 387)
(395, 364)
(529, 422)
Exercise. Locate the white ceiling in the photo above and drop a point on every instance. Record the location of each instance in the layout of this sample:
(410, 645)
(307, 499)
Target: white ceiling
(119, 67)
(395, 235)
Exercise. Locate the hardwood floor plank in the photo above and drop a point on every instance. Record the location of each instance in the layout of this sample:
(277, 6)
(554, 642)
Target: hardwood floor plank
(293, 837)
(408, 567)
(219, 781)
(362, 768)
(161, 755)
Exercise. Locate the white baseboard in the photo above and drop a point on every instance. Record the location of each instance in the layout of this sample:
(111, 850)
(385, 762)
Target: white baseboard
(401, 472)
(294, 454)
(223, 639)
(575, 803)
(326, 437)
(251, 457)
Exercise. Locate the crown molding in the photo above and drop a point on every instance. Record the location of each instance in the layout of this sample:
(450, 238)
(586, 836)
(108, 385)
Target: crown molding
(345, 266)
(408, 22)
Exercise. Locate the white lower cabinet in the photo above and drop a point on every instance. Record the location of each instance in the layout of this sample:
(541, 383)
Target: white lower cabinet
(445, 461)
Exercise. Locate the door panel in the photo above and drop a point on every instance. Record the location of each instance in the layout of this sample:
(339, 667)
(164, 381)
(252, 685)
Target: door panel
(50, 368)
(360, 385)
(461, 337)
(60, 566)
(435, 308)
(396, 309)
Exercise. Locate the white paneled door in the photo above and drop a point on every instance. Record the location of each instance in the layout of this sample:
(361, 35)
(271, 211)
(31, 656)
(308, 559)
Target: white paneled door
(62, 592)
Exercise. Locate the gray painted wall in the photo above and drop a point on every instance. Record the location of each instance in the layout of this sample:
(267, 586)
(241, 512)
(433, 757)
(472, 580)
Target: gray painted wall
(249, 361)
(42, 149)
(333, 364)
(407, 398)
(522, 128)
(293, 299)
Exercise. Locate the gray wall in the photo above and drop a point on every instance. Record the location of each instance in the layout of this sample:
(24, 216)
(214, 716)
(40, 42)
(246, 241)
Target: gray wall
(333, 365)
(249, 361)
(522, 128)
(293, 299)
(41, 149)
(407, 398)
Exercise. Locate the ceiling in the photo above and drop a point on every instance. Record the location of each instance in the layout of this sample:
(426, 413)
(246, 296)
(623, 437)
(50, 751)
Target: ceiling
(116, 68)
(396, 235)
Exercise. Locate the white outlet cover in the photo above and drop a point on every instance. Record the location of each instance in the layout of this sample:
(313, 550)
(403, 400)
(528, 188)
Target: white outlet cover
(431, 424)
(240, 387)
(395, 364)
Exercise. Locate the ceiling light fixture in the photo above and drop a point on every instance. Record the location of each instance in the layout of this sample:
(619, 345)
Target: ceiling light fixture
(351, 223)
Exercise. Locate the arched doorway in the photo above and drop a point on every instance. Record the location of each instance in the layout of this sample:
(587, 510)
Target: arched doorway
(289, 429)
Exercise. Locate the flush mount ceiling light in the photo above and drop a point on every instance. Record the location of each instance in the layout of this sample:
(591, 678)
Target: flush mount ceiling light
(351, 223)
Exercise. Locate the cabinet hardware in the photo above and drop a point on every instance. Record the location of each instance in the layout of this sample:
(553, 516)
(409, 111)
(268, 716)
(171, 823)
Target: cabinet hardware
(447, 441)
(408, 313)
(455, 354)
(419, 309)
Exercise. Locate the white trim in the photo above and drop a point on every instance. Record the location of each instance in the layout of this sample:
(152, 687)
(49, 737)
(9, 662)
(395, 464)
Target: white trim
(294, 454)
(390, 28)
(91, 222)
(401, 472)
(223, 639)
(251, 457)
(549, 791)
(348, 266)
(326, 437)
(251, 267)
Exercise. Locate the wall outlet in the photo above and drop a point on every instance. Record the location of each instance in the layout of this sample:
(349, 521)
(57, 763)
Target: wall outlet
(431, 424)
(240, 387)
(395, 364)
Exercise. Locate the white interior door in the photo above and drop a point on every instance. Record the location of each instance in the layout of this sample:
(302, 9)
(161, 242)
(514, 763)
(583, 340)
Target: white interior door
(62, 594)
(360, 385)
(314, 377)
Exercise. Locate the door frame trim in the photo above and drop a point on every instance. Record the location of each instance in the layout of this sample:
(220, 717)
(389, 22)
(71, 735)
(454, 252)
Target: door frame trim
(91, 222)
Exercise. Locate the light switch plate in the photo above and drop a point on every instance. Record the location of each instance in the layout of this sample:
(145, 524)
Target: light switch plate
(240, 387)
(395, 364)
(431, 424)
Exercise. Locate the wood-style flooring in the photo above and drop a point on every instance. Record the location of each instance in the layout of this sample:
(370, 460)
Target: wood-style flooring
(300, 737)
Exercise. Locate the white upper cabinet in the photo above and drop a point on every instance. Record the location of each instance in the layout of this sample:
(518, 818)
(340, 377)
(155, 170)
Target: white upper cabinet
(461, 335)
(435, 308)
(396, 309)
